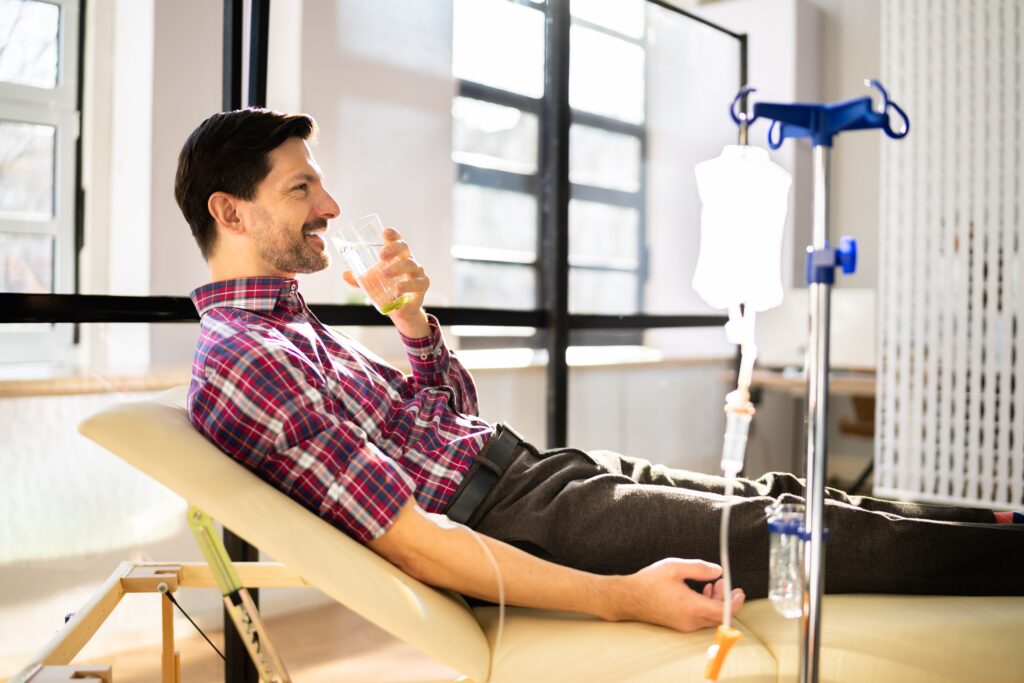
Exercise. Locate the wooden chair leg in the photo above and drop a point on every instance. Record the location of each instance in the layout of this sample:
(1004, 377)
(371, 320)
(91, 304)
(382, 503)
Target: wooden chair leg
(167, 655)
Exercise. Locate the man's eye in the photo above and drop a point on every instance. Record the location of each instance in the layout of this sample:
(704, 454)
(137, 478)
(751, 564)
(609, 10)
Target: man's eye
(303, 187)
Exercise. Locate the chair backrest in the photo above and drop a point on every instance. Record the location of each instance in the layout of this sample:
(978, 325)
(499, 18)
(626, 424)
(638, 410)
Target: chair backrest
(156, 437)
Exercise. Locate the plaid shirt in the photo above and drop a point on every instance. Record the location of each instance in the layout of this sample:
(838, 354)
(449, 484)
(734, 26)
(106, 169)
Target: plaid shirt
(323, 419)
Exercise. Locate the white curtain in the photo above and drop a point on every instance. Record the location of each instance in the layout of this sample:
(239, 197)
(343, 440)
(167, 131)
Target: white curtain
(951, 366)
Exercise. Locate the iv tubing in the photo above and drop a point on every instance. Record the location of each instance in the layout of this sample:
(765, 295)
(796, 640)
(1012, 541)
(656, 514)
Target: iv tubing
(501, 598)
(739, 412)
(724, 545)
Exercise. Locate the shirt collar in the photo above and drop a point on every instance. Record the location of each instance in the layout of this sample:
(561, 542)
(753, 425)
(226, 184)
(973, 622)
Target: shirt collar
(250, 293)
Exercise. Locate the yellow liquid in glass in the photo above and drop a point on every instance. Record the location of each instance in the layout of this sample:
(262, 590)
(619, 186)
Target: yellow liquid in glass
(396, 304)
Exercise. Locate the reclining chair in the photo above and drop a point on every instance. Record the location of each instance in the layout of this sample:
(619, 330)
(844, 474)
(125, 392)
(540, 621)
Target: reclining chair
(865, 638)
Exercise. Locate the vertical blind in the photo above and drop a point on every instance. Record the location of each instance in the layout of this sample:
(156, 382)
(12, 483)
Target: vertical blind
(951, 396)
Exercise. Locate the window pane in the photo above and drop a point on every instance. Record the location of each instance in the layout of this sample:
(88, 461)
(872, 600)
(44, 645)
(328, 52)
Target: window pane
(500, 44)
(26, 170)
(606, 75)
(604, 159)
(28, 43)
(687, 63)
(602, 234)
(607, 292)
(624, 16)
(493, 136)
(495, 219)
(489, 285)
(26, 263)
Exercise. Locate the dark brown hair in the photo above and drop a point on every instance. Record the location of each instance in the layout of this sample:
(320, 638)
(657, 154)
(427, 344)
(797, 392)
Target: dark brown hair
(230, 152)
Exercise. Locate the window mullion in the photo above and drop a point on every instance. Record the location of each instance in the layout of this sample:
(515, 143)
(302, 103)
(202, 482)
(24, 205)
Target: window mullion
(554, 202)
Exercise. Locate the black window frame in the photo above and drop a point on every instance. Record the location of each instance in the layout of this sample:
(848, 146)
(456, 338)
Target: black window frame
(530, 184)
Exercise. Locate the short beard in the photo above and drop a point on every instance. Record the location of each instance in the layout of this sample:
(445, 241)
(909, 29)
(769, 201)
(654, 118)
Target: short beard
(291, 253)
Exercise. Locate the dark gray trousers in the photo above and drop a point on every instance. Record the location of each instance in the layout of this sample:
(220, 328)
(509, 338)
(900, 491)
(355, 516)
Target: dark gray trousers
(609, 514)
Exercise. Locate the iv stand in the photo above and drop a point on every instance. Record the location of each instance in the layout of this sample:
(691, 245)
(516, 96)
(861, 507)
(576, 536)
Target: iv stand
(821, 122)
(819, 312)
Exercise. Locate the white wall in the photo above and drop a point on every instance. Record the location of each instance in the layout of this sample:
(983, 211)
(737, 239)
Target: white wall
(186, 89)
(851, 53)
(156, 75)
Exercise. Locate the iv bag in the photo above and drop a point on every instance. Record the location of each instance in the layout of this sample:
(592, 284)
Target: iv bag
(744, 196)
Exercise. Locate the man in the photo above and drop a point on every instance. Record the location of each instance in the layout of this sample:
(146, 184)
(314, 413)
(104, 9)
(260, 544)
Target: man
(371, 450)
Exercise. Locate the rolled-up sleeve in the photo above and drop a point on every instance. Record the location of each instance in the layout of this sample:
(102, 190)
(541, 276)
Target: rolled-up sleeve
(433, 365)
(266, 406)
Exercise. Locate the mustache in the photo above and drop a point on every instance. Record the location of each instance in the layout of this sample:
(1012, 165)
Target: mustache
(315, 224)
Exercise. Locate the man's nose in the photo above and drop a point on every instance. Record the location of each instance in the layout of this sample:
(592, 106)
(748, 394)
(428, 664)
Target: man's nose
(329, 208)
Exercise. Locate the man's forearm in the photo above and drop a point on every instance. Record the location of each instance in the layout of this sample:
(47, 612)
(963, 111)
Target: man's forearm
(444, 554)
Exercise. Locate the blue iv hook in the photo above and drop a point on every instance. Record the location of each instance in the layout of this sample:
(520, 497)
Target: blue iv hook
(742, 118)
(823, 121)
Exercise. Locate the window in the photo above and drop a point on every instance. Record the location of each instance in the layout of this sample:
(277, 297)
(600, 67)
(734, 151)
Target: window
(38, 141)
(607, 141)
(498, 61)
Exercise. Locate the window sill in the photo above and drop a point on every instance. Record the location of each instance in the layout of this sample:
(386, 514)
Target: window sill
(71, 384)
(578, 357)
(51, 383)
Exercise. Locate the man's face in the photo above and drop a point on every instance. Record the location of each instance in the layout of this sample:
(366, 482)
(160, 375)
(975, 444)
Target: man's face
(289, 213)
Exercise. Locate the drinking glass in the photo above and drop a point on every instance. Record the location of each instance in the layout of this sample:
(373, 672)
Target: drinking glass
(359, 243)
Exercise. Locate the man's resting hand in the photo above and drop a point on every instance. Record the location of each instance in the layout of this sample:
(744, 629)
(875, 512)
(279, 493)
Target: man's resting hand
(658, 595)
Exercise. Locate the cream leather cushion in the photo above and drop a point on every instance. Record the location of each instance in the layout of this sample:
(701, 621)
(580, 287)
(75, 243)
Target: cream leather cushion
(540, 646)
(905, 638)
(156, 437)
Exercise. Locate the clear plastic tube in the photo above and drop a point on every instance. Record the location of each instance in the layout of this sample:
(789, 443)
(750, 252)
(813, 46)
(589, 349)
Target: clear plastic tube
(501, 598)
(723, 544)
(447, 523)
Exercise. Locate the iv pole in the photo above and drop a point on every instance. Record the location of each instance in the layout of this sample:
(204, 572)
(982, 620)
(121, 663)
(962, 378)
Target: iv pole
(819, 318)
(821, 122)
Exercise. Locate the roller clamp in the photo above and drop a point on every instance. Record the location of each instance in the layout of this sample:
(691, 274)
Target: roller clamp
(821, 263)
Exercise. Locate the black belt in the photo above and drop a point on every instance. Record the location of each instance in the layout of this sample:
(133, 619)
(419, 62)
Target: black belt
(494, 458)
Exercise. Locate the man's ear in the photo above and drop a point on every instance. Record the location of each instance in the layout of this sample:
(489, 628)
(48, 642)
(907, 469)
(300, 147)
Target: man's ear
(224, 209)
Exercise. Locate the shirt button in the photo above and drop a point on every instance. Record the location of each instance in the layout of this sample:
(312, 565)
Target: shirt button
(423, 355)
(294, 288)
